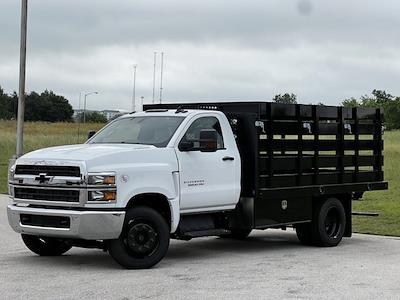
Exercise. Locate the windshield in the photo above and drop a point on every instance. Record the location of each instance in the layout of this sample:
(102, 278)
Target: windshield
(156, 131)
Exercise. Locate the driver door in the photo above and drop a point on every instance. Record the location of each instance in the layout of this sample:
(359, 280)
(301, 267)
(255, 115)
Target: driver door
(207, 178)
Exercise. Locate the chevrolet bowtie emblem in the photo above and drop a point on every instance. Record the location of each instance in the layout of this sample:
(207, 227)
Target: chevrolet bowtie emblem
(42, 178)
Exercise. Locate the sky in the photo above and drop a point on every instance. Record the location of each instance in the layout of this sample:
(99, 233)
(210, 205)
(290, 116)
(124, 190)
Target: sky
(320, 50)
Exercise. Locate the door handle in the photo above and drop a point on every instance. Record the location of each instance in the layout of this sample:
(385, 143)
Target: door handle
(225, 158)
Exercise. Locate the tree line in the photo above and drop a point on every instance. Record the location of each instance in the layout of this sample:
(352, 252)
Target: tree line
(378, 98)
(50, 107)
(46, 106)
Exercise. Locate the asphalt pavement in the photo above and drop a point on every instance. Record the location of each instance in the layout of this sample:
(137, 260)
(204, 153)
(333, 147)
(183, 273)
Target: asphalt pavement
(270, 264)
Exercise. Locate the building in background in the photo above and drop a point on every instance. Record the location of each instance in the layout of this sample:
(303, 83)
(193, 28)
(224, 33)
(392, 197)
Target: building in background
(110, 114)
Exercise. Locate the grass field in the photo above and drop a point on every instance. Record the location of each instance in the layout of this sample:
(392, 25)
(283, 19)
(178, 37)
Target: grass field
(38, 135)
(386, 203)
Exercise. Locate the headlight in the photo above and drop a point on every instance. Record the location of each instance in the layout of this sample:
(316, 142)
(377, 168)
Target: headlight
(101, 179)
(108, 195)
(11, 173)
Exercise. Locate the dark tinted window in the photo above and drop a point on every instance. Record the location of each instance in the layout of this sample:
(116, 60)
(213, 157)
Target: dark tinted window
(193, 133)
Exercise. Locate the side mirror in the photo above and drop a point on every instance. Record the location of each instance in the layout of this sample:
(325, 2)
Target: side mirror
(90, 134)
(208, 140)
(186, 146)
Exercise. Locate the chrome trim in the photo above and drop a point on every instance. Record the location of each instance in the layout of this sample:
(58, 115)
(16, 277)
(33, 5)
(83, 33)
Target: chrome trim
(68, 188)
(83, 196)
(66, 183)
(90, 225)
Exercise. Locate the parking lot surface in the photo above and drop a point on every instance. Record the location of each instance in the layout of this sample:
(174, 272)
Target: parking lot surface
(269, 264)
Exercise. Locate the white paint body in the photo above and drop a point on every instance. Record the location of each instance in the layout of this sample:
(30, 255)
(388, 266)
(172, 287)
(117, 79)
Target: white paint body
(142, 169)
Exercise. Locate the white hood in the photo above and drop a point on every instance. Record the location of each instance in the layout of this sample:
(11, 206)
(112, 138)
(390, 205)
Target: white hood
(103, 157)
(82, 152)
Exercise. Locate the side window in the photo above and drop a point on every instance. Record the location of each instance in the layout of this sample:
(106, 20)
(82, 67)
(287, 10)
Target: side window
(193, 133)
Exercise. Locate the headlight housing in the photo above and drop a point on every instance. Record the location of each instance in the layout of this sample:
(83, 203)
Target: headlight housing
(101, 179)
(103, 196)
(11, 173)
(102, 187)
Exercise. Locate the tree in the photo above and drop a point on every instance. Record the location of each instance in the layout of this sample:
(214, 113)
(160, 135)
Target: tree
(47, 107)
(6, 111)
(379, 98)
(351, 102)
(92, 117)
(285, 98)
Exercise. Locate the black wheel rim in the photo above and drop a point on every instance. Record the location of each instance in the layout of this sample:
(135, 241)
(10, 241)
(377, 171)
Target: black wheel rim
(141, 238)
(332, 223)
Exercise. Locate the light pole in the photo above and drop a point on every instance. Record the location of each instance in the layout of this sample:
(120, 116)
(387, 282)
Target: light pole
(22, 73)
(154, 76)
(134, 88)
(142, 98)
(84, 105)
(161, 77)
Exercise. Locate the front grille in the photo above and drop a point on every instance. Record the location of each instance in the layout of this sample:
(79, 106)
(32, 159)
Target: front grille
(45, 221)
(68, 171)
(47, 194)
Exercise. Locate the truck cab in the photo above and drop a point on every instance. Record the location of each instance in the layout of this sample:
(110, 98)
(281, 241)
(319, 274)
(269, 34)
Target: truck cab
(169, 172)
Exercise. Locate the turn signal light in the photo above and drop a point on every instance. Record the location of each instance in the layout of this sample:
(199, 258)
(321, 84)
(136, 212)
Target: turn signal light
(110, 195)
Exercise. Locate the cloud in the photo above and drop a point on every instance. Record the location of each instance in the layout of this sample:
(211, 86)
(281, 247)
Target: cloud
(215, 50)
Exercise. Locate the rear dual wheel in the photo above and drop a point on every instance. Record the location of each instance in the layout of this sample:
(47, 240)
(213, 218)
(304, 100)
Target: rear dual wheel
(327, 227)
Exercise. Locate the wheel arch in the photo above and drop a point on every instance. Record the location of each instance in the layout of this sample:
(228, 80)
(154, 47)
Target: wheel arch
(156, 201)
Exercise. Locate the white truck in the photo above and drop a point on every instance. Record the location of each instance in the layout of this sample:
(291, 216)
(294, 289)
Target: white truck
(189, 170)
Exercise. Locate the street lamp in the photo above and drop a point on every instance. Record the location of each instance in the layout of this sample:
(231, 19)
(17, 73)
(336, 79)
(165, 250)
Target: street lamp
(134, 88)
(22, 72)
(84, 105)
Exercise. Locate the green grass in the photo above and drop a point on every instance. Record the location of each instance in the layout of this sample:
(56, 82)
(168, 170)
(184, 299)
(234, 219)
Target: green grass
(38, 135)
(386, 203)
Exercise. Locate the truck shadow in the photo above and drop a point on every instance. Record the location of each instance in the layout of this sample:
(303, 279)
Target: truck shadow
(216, 246)
(180, 251)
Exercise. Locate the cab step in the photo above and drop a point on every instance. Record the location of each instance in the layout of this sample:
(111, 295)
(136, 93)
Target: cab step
(200, 233)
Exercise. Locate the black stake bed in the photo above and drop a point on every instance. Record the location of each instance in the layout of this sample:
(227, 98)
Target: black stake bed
(293, 153)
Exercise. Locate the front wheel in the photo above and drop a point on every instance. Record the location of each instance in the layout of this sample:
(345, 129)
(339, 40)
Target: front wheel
(45, 246)
(144, 240)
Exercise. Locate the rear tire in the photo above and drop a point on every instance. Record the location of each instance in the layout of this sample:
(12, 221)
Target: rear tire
(329, 223)
(304, 233)
(144, 240)
(45, 246)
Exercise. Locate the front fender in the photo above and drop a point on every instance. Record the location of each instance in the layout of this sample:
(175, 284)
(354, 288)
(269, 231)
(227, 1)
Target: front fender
(168, 187)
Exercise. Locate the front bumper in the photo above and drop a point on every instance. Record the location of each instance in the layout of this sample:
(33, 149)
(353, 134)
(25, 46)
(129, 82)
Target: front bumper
(88, 225)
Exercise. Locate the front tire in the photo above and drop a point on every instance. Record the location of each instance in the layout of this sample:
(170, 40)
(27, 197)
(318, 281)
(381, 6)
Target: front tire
(144, 240)
(45, 246)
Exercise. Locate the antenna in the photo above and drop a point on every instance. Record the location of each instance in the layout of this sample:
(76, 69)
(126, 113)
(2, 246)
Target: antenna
(79, 115)
(134, 88)
(154, 76)
(161, 78)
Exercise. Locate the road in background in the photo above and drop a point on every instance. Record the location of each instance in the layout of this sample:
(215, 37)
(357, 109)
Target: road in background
(270, 264)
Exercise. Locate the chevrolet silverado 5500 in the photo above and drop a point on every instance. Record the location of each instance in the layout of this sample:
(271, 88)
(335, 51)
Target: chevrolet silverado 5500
(190, 170)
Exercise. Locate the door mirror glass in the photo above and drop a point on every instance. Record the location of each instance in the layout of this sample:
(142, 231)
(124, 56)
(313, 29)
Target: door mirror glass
(90, 134)
(186, 146)
(204, 134)
(208, 140)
